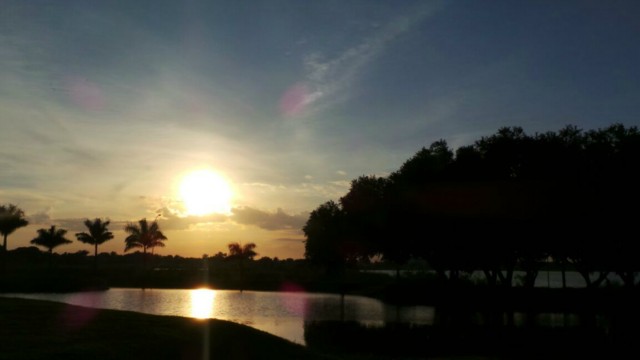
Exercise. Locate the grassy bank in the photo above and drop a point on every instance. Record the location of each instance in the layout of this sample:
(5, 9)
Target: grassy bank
(46, 330)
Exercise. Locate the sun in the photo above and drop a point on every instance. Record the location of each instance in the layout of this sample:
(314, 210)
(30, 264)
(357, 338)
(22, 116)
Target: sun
(205, 192)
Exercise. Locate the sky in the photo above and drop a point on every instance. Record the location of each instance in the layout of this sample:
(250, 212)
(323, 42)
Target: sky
(105, 106)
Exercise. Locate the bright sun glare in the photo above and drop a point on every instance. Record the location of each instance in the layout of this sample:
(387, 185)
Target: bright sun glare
(205, 192)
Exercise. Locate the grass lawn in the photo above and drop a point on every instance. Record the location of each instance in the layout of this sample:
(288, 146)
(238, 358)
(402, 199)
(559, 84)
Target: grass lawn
(31, 329)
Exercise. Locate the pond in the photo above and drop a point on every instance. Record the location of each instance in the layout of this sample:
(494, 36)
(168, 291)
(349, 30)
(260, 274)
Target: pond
(283, 314)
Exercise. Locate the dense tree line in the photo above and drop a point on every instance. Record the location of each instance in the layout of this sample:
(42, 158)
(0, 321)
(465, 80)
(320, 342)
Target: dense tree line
(28, 255)
(508, 201)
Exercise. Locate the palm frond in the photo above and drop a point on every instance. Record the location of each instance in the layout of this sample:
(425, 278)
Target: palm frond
(51, 238)
(144, 235)
(97, 234)
(236, 250)
(11, 218)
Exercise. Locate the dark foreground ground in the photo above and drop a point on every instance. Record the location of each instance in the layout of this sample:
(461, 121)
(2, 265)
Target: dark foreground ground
(46, 330)
(31, 329)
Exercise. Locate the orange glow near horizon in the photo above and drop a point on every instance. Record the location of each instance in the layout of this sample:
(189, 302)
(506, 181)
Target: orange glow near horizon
(202, 302)
(205, 192)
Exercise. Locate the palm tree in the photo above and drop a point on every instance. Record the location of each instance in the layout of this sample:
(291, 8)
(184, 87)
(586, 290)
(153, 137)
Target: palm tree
(242, 253)
(11, 218)
(145, 236)
(237, 251)
(97, 235)
(51, 239)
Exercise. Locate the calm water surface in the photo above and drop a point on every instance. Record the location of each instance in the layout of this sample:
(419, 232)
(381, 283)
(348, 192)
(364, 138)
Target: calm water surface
(280, 313)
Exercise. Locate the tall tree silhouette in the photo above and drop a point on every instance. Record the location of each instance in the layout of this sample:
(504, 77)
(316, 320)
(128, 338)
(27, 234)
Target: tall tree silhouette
(415, 207)
(50, 239)
(244, 252)
(98, 234)
(365, 215)
(143, 235)
(325, 237)
(241, 253)
(11, 219)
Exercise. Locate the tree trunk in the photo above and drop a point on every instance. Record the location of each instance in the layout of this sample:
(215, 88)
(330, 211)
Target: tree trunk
(492, 277)
(587, 278)
(50, 258)
(509, 278)
(95, 260)
(506, 280)
(241, 274)
(144, 268)
(628, 278)
(3, 255)
(144, 258)
(601, 278)
(530, 279)
(532, 268)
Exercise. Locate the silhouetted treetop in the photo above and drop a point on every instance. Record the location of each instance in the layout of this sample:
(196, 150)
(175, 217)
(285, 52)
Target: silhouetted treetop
(50, 239)
(509, 199)
(426, 165)
(143, 235)
(11, 219)
(325, 231)
(98, 234)
(242, 252)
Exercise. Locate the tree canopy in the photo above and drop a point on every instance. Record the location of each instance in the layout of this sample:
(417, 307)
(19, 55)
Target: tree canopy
(239, 251)
(143, 235)
(11, 219)
(98, 234)
(50, 239)
(510, 200)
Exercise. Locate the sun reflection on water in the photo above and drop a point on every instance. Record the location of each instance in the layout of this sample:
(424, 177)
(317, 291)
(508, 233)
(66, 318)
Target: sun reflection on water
(202, 301)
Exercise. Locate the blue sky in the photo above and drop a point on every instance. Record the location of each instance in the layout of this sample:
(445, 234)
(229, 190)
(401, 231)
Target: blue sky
(105, 105)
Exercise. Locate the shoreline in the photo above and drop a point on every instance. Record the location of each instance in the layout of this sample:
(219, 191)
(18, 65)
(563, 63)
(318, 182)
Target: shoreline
(43, 329)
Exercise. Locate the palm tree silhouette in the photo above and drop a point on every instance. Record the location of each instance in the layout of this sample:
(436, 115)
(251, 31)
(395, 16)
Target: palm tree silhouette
(242, 253)
(50, 239)
(97, 235)
(11, 218)
(145, 236)
(237, 251)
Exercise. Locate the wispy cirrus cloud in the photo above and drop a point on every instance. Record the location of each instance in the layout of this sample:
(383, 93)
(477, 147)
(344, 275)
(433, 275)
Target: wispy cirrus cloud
(328, 79)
